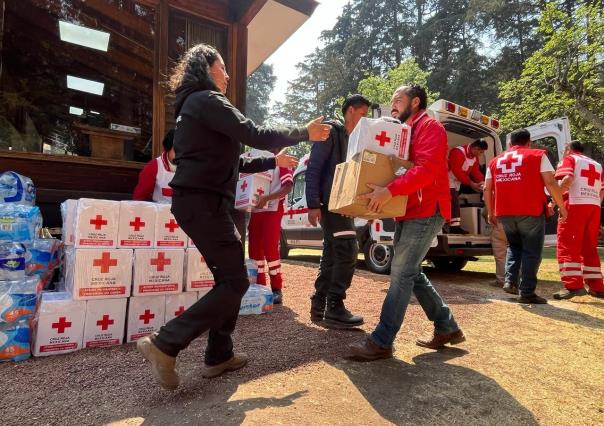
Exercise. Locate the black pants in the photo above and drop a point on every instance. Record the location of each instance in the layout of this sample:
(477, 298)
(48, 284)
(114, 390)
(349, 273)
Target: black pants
(455, 209)
(207, 219)
(339, 258)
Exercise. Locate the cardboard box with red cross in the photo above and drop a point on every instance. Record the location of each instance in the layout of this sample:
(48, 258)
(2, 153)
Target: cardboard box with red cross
(105, 323)
(137, 224)
(167, 232)
(381, 136)
(249, 189)
(176, 304)
(198, 276)
(158, 271)
(96, 223)
(58, 325)
(98, 273)
(145, 316)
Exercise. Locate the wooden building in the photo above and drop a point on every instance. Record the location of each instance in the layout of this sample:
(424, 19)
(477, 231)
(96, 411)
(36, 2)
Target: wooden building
(83, 100)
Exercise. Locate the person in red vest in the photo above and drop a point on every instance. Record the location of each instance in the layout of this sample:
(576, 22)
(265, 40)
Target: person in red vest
(581, 180)
(153, 180)
(464, 168)
(429, 205)
(264, 231)
(514, 196)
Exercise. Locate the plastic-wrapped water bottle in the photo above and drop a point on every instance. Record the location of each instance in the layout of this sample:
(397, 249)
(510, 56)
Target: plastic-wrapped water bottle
(252, 270)
(15, 188)
(13, 260)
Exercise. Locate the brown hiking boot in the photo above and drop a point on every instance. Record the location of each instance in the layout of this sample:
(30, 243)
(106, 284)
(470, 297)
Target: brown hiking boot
(566, 294)
(368, 350)
(439, 340)
(598, 294)
(238, 361)
(162, 365)
(532, 299)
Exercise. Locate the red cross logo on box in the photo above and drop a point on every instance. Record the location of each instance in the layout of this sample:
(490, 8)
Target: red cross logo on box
(105, 262)
(172, 225)
(181, 309)
(61, 325)
(382, 138)
(591, 174)
(161, 261)
(137, 224)
(98, 222)
(105, 322)
(259, 193)
(147, 316)
(509, 162)
(244, 185)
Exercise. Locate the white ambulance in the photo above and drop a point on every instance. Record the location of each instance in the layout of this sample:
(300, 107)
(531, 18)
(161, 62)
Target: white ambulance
(449, 252)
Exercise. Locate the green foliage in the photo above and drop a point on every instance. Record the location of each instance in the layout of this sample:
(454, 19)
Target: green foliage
(380, 89)
(563, 78)
(260, 85)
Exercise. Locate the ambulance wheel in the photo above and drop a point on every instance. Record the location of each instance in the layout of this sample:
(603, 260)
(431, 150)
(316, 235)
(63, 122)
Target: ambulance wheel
(283, 248)
(378, 257)
(449, 264)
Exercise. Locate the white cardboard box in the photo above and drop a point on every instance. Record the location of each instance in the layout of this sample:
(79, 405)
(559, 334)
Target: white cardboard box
(97, 223)
(145, 315)
(380, 136)
(105, 322)
(198, 276)
(58, 325)
(137, 224)
(167, 232)
(69, 211)
(249, 189)
(158, 271)
(98, 273)
(257, 153)
(176, 304)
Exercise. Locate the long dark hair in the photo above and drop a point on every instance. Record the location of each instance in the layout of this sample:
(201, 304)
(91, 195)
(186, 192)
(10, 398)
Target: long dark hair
(193, 69)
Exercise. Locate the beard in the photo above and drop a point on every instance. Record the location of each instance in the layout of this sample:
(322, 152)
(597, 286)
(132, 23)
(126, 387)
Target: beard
(405, 114)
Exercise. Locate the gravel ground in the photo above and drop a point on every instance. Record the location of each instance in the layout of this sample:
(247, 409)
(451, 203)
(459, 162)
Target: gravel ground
(520, 365)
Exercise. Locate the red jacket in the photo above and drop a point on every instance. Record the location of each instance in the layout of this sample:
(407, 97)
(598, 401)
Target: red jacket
(456, 160)
(146, 179)
(427, 182)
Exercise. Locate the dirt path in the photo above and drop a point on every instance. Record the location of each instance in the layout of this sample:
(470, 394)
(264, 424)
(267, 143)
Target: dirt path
(520, 365)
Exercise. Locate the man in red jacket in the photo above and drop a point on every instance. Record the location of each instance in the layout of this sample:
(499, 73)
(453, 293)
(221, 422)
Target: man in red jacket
(581, 179)
(514, 195)
(464, 168)
(429, 205)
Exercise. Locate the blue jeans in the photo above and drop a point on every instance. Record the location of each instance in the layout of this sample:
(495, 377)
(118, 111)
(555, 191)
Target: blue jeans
(525, 236)
(412, 241)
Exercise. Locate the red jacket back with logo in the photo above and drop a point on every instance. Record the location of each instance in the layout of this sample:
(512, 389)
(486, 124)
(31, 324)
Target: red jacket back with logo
(427, 182)
(518, 183)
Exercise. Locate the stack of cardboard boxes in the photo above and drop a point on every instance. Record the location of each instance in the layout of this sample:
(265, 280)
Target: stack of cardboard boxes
(378, 152)
(129, 268)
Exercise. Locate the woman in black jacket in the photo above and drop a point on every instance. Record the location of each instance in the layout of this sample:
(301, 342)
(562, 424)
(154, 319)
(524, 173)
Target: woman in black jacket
(208, 138)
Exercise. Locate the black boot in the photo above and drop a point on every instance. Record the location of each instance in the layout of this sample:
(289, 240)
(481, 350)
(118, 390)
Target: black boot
(337, 316)
(317, 307)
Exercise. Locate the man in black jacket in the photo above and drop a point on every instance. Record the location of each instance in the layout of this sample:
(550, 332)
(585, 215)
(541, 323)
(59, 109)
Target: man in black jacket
(340, 248)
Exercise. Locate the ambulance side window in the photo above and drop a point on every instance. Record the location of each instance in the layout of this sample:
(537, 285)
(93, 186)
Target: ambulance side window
(298, 192)
(550, 145)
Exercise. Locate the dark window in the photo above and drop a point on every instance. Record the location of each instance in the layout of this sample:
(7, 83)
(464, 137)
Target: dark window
(76, 78)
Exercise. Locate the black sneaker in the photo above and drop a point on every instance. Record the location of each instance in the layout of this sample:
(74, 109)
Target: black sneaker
(598, 294)
(566, 294)
(277, 297)
(532, 299)
(458, 230)
(510, 288)
(337, 316)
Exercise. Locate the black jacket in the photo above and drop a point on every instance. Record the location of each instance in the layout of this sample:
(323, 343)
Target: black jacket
(208, 138)
(324, 157)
